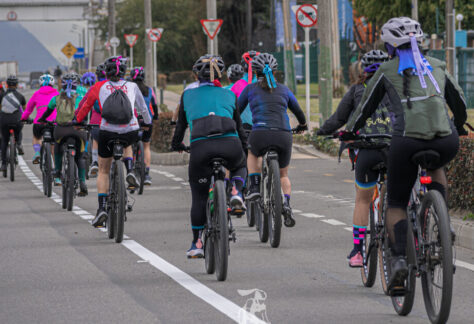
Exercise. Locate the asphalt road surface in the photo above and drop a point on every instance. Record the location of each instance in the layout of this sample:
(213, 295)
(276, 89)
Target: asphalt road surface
(56, 268)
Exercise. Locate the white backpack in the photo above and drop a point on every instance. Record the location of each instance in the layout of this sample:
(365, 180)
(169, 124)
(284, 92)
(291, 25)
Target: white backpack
(10, 103)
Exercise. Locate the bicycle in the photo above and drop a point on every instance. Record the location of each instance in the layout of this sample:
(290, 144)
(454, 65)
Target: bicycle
(139, 163)
(429, 246)
(117, 199)
(218, 230)
(12, 155)
(46, 161)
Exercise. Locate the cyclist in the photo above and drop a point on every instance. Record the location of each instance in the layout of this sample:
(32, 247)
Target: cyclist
(268, 101)
(418, 88)
(64, 105)
(364, 159)
(116, 97)
(11, 108)
(100, 72)
(239, 86)
(40, 101)
(211, 113)
(235, 72)
(137, 75)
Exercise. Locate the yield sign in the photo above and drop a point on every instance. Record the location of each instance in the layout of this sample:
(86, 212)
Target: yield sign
(131, 39)
(211, 26)
(154, 34)
(307, 15)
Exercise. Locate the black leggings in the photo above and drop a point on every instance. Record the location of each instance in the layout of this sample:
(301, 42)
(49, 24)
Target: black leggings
(7, 122)
(402, 172)
(200, 170)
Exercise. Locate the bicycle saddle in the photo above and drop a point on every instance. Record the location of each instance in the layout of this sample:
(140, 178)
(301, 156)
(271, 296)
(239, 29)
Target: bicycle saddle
(427, 159)
(217, 161)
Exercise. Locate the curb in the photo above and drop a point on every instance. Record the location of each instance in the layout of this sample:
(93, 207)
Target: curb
(464, 233)
(173, 158)
(310, 150)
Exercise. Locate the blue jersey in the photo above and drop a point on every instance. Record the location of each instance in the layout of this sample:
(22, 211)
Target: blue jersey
(269, 109)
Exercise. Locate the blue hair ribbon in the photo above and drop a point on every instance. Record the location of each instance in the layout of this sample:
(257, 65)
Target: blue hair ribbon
(267, 71)
(46, 81)
(68, 88)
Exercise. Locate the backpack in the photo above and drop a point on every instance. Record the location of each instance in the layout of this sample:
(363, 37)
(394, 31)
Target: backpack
(117, 108)
(10, 103)
(65, 108)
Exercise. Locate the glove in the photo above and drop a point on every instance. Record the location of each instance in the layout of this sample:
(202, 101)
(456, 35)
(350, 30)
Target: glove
(155, 117)
(173, 122)
(462, 131)
(320, 132)
(180, 147)
(301, 128)
(347, 136)
(42, 121)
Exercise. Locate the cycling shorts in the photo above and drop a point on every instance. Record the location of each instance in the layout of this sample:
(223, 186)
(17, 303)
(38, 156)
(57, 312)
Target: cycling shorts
(95, 133)
(105, 150)
(366, 159)
(146, 137)
(38, 130)
(62, 132)
(280, 140)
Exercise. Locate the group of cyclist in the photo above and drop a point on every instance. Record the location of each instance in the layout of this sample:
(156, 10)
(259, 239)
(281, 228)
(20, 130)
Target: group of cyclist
(400, 92)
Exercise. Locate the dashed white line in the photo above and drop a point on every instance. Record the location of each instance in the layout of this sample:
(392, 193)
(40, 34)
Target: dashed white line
(334, 222)
(348, 229)
(297, 211)
(310, 215)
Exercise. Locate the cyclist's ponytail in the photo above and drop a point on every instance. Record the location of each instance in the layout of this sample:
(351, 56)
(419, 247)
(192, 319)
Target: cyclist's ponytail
(262, 82)
(406, 85)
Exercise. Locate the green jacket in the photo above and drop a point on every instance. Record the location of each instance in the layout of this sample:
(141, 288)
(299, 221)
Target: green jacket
(428, 117)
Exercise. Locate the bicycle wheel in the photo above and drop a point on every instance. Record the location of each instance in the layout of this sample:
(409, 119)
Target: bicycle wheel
(437, 277)
(383, 250)
(140, 166)
(12, 158)
(209, 242)
(70, 189)
(274, 219)
(121, 201)
(221, 248)
(64, 180)
(404, 304)
(46, 168)
(112, 204)
(369, 271)
(250, 213)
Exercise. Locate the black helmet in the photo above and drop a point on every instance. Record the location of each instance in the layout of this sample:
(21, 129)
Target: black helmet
(372, 57)
(76, 76)
(115, 66)
(137, 74)
(235, 72)
(248, 57)
(261, 61)
(207, 66)
(69, 82)
(12, 80)
(100, 71)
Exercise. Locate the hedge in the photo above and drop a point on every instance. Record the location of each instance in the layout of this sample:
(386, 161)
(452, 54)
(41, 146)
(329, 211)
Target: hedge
(162, 132)
(180, 76)
(460, 173)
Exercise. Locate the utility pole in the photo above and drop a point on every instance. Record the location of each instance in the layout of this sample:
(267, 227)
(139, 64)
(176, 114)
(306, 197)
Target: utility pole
(325, 59)
(414, 9)
(148, 55)
(249, 24)
(450, 50)
(336, 56)
(111, 9)
(212, 44)
(290, 80)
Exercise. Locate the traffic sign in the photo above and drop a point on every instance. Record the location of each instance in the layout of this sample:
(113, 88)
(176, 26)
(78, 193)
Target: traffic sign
(211, 27)
(114, 42)
(69, 50)
(307, 15)
(12, 16)
(79, 53)
(131, 39)
(154, 34)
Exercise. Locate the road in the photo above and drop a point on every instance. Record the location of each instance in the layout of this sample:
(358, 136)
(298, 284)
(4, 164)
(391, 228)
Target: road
(56, 268)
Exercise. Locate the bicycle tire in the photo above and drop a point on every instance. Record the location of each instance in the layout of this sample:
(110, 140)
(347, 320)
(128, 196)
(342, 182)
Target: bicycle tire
(209, 249)
(275, 210)
(435, 200)
(111, 204)
(222, 230)
(12, 157)
(383, 251)
(404, 304)
(46, 167)
(70, 190)
(64, 181)
(369, 271)
(250, 214)
(121, 201)
(140, 166)
(5, 172)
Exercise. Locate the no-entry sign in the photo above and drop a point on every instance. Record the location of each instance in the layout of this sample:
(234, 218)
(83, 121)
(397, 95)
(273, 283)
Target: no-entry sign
(211, 27)
(307, 15)
(154, 34)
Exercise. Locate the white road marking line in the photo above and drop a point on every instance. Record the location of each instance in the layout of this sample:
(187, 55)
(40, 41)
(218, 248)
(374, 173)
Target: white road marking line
(297, 211)
(310, 215)
(58, 200)
(465, 265)
(185, 183)
(219, 302)
(169, 175)
(334, 222)
(348, 229)
(178, 179)
(222, 304)
(86, 217)
(81, 212)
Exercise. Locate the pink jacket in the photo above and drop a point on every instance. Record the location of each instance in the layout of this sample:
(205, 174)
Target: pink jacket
(239, 86)
(40, 101)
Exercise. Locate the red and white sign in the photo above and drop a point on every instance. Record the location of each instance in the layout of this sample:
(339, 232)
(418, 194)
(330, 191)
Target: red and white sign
(307, 15)
(11, 16)
(211, 27)
(131, 39)
(154, 34)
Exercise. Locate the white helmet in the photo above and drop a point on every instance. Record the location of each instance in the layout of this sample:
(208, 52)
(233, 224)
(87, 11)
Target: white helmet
(396, 31)
(46, 79)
